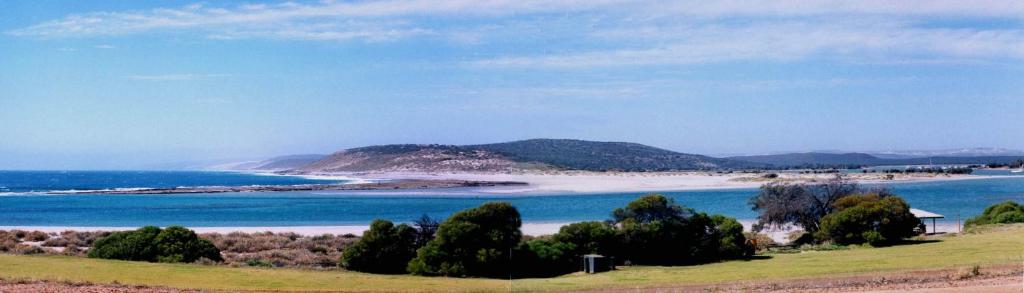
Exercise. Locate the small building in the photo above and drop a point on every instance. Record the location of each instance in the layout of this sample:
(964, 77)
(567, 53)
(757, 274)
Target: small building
(925, 215)
(595, 263)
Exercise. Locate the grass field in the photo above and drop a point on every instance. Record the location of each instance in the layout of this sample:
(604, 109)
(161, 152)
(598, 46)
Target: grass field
(994, 245)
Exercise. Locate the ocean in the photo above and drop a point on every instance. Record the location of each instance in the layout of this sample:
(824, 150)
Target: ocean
(22, 204)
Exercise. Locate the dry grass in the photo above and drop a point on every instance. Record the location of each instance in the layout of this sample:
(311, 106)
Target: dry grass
(280, 249)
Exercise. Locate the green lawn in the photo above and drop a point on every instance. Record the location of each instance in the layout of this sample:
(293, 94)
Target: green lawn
(996, 245)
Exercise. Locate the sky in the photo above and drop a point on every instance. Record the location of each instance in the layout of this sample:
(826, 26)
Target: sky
(136, 84)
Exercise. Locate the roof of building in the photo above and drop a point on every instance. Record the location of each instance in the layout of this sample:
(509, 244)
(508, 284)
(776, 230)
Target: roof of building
(923, 214)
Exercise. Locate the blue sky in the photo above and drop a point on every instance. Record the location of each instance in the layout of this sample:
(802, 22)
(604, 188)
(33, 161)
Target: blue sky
(127, 84)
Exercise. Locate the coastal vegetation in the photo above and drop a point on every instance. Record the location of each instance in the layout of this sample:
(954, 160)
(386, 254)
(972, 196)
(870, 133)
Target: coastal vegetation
(545, 155)
(486, 242)
(987, 247)
(837, 211)
(472, 242)
(1006, 212)
(152, 244)
(525, 155)
(384, 249)
(875, 218)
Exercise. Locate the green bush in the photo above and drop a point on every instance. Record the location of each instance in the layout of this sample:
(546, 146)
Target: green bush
(472, 242)
(872, 218)
(1002, 213)
(732, 241)
(590, 238)
(174, 244)
(656, 231)
(544, 258)
(385, 249)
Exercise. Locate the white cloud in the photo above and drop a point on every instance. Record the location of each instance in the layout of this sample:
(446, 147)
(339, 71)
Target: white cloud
(175, 77)
(602, 32)
(248, 16)
(690, 44)
(104, 46)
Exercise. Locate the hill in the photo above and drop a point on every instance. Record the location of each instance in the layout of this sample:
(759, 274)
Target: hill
(962, 152)
(417, 158)
(601, 156)
(273, 164)
(525, 155)
(814, 160)
(856, 160)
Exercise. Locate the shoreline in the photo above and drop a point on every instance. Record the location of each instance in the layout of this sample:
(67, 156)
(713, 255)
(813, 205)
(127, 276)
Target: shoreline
(391, 184)
(585, 182)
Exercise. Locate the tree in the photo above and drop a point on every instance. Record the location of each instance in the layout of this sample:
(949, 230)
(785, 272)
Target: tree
(178, 244)
(174, 244)
(472, 242)
(384, 249)
(657, 231)
(876, 219)
(590, 238)
(426, 227)
(544, 258)
(1002, 213)
(801, 205)
(732, 242)
(127, 245)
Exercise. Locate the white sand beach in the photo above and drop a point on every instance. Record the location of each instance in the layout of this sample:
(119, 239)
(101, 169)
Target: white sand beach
(604, 182)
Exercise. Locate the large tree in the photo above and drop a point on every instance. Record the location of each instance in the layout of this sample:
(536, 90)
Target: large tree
(782, 204)
(472, 242)
(868, 218)
(655, 230)
(385, 249)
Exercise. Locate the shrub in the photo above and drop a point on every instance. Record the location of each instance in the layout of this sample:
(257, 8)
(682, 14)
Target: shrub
(544, 258)
(590, 238)
(657, 231)
(472, 242)
(36, 236)
(872, 218)
(801, 205)
(732, 242)
(385, 248)
(280, 249)
(177, 244)
(174, 244)
(764, 241)
(1002, 213)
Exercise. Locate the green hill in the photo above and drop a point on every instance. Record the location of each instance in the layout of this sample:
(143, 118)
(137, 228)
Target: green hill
(533, 154)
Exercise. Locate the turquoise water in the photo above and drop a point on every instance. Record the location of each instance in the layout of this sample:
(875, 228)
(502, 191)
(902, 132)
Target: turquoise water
(964, 197)
(41, 181)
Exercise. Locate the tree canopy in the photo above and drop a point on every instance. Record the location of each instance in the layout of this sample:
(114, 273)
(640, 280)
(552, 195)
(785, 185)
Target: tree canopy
(472, 242)
(868, 218)
(781, 204)
(152, 244)
(385, 249)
